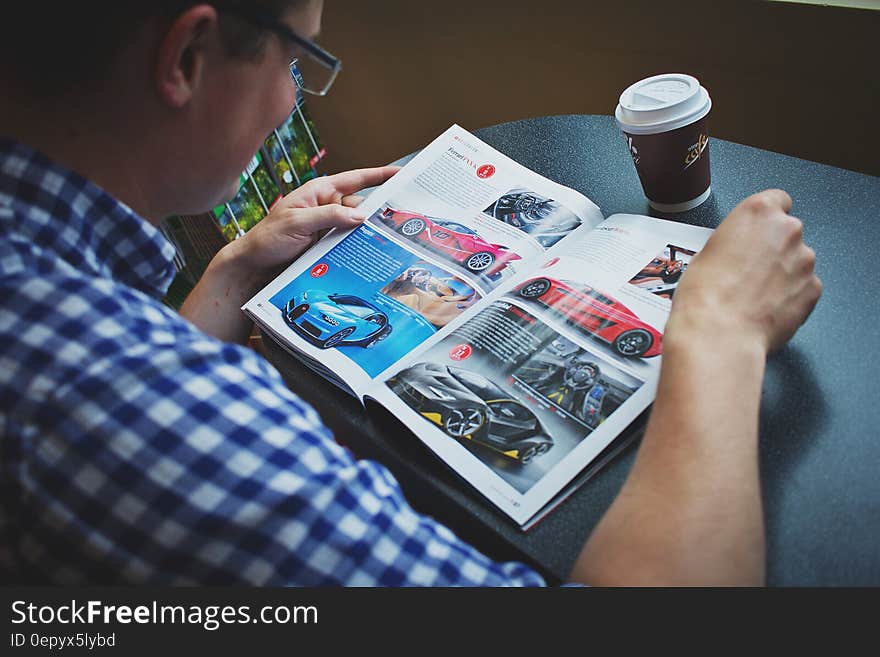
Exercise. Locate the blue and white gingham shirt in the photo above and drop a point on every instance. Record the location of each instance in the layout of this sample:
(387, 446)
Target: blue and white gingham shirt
(135, 448)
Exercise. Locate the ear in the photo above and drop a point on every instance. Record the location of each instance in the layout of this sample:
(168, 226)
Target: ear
(180, 60)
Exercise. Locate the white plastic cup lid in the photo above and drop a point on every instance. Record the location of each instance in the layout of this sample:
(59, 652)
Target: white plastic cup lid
(662, 103)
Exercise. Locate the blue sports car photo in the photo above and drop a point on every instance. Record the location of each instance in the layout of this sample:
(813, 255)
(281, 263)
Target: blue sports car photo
(336, 320)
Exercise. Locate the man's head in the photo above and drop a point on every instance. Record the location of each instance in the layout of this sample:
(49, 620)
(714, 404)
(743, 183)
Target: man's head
(62, 46)
(161, 101)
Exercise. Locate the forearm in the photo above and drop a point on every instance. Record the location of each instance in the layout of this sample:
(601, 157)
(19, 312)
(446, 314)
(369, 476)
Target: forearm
(690, 511)
(215, 303)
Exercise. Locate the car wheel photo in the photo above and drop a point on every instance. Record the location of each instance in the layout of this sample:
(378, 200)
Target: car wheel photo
(461, 422)
(412, 227)
(479, 261)
(633, 343)
(535, 288)
(337, 337)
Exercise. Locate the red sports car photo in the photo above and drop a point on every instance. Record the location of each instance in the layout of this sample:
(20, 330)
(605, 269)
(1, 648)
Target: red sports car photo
(452, 239)
(597, 314)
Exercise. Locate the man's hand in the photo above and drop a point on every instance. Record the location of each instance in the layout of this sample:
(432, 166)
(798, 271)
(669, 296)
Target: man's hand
(754, 276)
(244, 266)
(690, 512)
(297, 220)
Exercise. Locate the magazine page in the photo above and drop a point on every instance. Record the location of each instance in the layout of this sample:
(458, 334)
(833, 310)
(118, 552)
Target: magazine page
(527, 392)
(457, 222)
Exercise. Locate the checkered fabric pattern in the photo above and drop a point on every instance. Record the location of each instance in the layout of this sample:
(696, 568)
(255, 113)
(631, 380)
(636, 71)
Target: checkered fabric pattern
(135, 448)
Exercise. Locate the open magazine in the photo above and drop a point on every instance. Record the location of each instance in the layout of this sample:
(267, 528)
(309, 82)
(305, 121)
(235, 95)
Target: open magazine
(496, 313)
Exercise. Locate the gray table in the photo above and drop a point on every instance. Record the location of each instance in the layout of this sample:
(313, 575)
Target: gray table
(820, 412)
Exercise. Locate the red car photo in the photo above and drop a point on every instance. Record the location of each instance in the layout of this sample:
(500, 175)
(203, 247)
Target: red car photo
(597, 314)
(452, 239)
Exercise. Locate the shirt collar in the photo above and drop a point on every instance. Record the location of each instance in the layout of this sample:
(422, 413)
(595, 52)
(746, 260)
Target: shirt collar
(58, 210)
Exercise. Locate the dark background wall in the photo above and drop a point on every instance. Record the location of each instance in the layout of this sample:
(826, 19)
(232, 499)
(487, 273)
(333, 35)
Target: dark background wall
(796, 79)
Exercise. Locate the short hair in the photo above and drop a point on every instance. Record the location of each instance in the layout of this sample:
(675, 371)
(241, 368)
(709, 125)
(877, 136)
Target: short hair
(48, 50)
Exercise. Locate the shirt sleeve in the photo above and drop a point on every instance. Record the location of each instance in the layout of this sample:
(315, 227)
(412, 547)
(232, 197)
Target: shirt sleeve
(190, 462)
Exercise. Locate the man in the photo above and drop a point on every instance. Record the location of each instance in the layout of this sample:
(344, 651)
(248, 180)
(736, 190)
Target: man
(142, 446)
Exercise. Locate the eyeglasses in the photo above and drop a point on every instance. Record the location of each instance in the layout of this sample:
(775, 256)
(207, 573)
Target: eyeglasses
(314, 73)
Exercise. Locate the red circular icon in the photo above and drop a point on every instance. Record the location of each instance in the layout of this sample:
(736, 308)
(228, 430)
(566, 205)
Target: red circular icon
(460, 352)
(486, 171)
(319, 270)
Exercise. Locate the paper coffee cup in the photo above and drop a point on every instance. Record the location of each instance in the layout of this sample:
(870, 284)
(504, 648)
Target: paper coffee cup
(663, 119)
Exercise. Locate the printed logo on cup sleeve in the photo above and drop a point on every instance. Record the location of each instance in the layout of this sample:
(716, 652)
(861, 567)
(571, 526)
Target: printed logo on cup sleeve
(696, 150)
